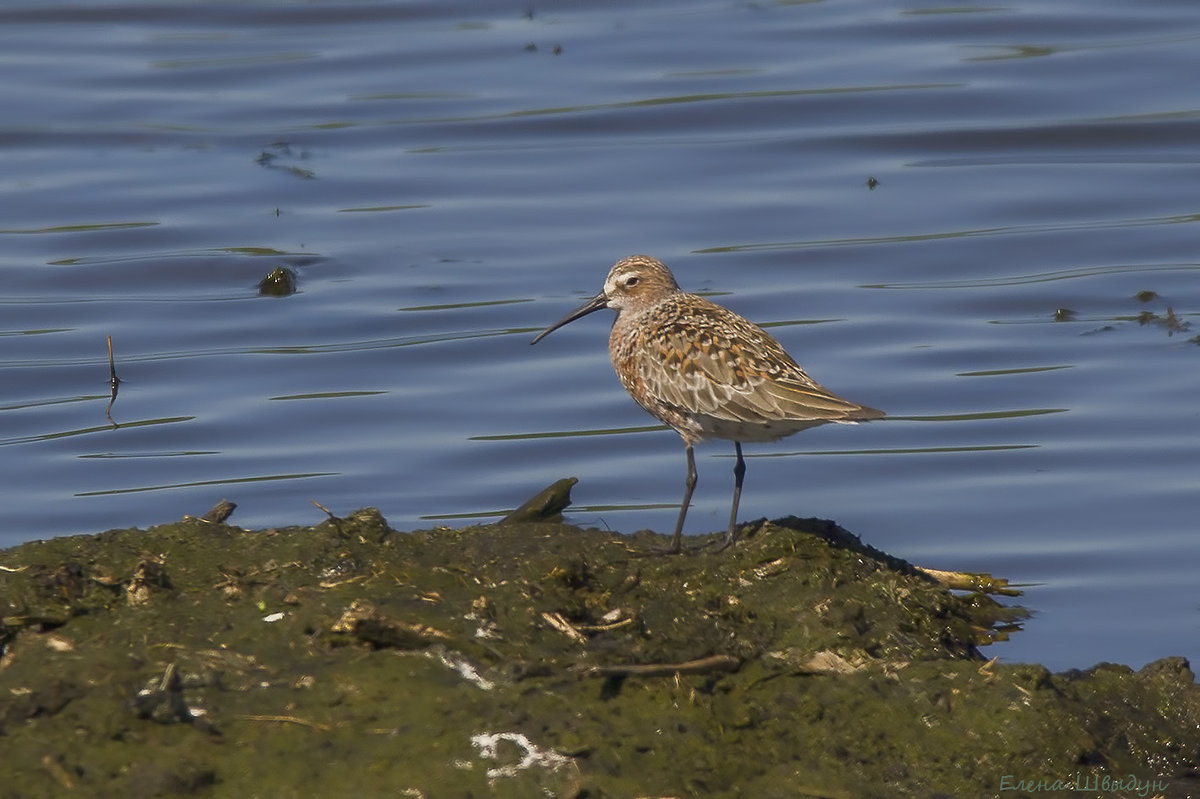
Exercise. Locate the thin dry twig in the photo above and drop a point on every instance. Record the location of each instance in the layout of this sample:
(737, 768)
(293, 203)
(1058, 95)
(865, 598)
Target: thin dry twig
(327, 510)
(316, 725)
(54, 765)
(565, 627)
(698, 666)
(600, 628)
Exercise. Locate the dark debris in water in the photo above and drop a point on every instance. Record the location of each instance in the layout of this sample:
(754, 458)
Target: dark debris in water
(539, 659)
(1064, 315)
(281, 155)
(279, 282)
(1167, 320)
(1164, 319)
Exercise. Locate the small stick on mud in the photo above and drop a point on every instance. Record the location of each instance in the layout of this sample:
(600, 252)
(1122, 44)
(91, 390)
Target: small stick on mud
(698, 666)
(328, 512)
(316, 725)
(336, 521)
(565, 627)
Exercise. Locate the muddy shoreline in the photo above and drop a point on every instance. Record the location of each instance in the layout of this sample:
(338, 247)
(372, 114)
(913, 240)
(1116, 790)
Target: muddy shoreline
(531, 658)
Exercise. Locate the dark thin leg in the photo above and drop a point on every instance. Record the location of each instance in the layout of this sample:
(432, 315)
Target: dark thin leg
(690, 485)
(739, 473)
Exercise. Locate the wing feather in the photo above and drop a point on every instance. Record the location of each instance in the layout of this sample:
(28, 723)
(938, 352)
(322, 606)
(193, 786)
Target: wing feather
(702, 359)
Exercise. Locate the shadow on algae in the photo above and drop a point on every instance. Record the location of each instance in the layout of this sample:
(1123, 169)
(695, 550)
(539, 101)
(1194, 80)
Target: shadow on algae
(534, 659)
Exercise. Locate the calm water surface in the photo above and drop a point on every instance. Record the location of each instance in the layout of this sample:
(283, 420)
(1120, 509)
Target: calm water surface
(1016, 288)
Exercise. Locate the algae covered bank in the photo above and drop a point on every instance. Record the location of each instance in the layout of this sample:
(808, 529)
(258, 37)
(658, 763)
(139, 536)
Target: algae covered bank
(530, 658)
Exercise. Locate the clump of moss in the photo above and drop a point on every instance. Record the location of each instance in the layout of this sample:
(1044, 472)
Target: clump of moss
(533, 658)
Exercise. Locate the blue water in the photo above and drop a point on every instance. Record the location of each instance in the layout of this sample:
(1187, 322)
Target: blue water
(447, 178)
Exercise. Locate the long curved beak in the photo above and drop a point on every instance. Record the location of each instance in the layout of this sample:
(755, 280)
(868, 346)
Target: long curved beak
(592, 305)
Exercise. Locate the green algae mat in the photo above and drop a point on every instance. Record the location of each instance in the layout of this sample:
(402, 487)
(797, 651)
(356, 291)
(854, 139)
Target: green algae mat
(534, 659)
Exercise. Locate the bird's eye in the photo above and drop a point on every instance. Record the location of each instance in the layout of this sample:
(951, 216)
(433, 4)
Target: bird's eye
(632, 280)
